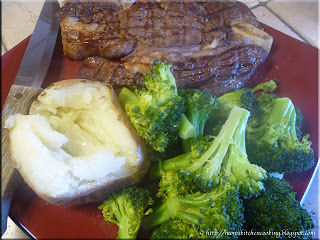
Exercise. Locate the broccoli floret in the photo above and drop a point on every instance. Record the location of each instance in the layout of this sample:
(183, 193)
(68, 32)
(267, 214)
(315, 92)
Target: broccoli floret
(199, 106)
(173, 183)
(272, 140)
(220, 209)
(266, 86)
(242, 98)
(159, 168)
(263, 105)
(226, 156)
(175, 229)
(276, 209)
(200, 145)
(299, 118)
(126, 208)
(155, 111)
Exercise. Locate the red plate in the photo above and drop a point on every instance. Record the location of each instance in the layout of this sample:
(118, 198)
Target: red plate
(293, 63)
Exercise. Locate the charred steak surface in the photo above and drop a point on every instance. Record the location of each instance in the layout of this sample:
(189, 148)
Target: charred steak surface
(212, 45)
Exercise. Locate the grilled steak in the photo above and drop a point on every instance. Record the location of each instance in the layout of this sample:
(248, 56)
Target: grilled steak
(212, 45)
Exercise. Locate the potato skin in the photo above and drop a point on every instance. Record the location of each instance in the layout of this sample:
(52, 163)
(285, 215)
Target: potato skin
(101, 191)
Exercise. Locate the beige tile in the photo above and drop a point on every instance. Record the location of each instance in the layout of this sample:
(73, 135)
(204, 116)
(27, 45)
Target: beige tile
(250, 3)
(301, 16)
(3, 49)
(267, 17)
(18, 20)
(13, 232)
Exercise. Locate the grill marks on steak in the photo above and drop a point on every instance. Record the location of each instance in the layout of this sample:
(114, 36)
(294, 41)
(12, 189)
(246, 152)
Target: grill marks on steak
(212, 45)
(151, 24)
(234, 69)
(231, 64)
(218, 73)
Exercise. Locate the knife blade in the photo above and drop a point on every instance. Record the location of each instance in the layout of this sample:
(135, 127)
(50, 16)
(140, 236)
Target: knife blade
(25, 89)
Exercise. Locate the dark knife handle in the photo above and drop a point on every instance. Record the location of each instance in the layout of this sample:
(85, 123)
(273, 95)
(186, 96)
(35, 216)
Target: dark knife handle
(18, 101)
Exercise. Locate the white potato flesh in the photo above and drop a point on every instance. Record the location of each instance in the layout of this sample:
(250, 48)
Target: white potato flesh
(84, 113)
(37, 149)
(72, 140)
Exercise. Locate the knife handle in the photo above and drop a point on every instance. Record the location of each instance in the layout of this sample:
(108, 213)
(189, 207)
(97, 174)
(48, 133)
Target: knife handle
(18, 101)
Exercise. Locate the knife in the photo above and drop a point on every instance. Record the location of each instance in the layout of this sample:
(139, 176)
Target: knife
(25, 89)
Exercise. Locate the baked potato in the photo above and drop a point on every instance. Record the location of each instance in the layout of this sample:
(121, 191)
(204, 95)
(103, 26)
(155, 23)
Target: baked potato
(76, 145)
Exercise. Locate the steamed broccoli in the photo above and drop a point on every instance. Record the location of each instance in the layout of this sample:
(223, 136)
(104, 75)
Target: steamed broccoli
(268, 87)
(272, 139)
(186, 129)
(264, 105)
(175, 229)
(225, 157)
(173, 183)
(156, 110)
(275, 141)
(200, 145)
(126, 209)
(199, 105)
(242, 98)
(299, 118)
(220, 209)
(276, 209)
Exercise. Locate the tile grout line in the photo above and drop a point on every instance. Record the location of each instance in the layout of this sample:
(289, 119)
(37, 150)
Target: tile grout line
(303, 38)
(264, 4)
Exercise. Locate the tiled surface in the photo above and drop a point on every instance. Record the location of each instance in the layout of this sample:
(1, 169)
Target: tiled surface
(250, 3)
(301, 16)
(14, 232)
(266, 16)
(297, 18)
(18, 20)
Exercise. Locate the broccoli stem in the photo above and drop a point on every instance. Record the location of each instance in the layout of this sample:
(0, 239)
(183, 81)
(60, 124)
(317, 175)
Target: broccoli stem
(216, 153)
(237, 167)
(186, 130)
(281, 112)
(159, 215)
(127, 97)
(195, 208)
(266, 86)
(183, 207)
(195, 121)
(201, 201)
(291, 136)
(199, 106)
(123, 223)
(178, 162)
(123, 232)
(198, 121)
(192, 216)
(209, 164)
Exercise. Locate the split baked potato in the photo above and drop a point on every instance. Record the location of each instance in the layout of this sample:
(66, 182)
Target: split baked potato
(76, 145)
